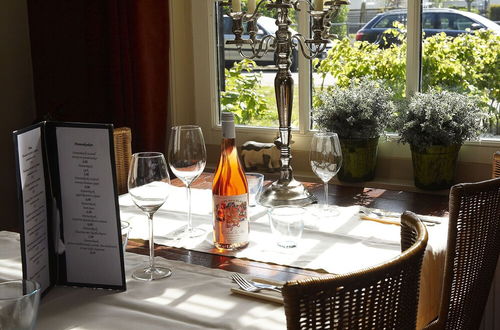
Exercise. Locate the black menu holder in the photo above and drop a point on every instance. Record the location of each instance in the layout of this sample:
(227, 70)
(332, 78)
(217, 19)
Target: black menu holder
(69, 212)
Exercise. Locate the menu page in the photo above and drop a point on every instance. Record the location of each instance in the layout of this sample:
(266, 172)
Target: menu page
(31, 173)
(88, 203)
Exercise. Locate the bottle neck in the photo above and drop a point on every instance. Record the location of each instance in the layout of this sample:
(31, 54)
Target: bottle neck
(228, 130)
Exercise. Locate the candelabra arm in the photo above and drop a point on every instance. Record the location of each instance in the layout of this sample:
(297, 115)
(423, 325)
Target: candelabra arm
(308, 52)
(259, 51)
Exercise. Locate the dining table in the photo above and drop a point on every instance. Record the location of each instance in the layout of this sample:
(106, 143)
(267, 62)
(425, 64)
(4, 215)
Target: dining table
(200, 293)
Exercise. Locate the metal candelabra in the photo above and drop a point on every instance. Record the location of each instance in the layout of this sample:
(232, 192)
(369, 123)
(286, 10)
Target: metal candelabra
(286, 190)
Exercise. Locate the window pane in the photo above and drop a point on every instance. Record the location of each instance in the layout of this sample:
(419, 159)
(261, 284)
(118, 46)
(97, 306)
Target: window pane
(246, 87)
(461, 55)
(373, 46)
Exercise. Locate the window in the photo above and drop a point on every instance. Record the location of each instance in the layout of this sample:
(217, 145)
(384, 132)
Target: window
(195, 90)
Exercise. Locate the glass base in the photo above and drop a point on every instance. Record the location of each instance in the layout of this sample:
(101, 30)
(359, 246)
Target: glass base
(182, 232)
(322, 210)
(151, 274)
(195, 232)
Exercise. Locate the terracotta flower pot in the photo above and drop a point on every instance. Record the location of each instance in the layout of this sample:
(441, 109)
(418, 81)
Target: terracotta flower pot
(434, 167)
(359, 159)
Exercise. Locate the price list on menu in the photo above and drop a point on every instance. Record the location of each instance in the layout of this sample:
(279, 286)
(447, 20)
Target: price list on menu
(86, 182)
(31, 176)
(78, 235)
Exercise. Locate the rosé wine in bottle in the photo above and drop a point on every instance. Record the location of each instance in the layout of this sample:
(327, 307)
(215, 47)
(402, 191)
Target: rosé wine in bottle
(230, 193)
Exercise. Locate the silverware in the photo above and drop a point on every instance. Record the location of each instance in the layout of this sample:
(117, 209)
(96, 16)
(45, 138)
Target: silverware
(253, 286)
(368, 212)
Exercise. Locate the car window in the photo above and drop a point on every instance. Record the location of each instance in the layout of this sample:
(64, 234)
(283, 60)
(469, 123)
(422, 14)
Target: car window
(388, 21)
(462, 22)
(450, 21)
(429, 21)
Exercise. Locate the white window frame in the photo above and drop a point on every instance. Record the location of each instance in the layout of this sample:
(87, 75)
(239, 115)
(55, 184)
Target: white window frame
(205, 67)
(201, 85)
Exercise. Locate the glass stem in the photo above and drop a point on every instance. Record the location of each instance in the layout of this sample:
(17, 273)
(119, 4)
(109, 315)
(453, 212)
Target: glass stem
(188, 195)
(151, 242)
(326, 194)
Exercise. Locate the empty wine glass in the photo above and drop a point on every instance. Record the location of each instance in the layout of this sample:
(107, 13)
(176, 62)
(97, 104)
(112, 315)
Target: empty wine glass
(187, 158)
(149, 186)
(326, 158)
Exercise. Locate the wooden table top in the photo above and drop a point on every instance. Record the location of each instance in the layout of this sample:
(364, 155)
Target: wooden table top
(392, 200)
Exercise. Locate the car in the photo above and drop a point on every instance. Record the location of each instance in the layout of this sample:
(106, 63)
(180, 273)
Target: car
(434, 20)
(266, 26)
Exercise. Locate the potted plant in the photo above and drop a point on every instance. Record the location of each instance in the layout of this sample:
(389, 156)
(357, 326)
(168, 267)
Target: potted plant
(359, 114)
(436, 124)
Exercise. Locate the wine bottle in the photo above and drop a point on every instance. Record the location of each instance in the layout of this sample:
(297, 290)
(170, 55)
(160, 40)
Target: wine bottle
(230, 193)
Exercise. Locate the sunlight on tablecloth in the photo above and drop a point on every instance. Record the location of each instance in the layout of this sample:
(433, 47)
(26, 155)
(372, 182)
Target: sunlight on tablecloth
(194, 297)
(336, 244)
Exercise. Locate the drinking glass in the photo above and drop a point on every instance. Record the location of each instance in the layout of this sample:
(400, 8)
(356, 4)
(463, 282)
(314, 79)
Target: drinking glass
(187, 158)
(255, 183)
(326, 158)
(148, 186)
(287, 224)
(19, 300)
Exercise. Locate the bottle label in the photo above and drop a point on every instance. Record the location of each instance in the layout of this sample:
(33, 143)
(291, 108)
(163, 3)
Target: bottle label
(230, 219)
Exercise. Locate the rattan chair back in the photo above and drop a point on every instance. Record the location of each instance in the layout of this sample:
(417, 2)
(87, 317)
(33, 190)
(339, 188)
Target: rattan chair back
(495, 173)
(123, 154)
(472, 253)
(380, 297)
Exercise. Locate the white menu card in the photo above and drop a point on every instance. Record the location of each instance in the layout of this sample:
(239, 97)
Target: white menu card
(69, 210)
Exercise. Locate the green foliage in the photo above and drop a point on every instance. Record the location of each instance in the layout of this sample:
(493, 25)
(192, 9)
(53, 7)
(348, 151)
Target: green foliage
(340, 30)
(347, 61)
(440, 118)
(494, 12)
(361, 110)
(468, 63)
(242, 95)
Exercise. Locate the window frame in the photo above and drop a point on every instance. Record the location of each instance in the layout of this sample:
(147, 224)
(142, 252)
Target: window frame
(194, 89)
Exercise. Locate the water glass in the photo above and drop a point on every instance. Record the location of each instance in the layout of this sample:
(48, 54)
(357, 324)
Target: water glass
(287, 224)
(19, 300)
(255, 182)
(125, 233)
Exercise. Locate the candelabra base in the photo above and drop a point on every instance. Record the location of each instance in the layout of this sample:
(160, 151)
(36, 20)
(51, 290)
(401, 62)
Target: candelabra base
(290, 193)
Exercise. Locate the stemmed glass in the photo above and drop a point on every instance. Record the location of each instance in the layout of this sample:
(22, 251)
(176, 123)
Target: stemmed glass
(187, 158)
(149, 187)
(326, 158)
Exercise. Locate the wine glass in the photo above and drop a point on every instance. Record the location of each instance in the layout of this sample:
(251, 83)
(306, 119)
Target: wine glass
(187, 158)
(149, 187)
(326, 158)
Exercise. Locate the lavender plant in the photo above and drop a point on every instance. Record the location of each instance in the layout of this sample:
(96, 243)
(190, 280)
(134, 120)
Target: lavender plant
(441, 118)
(362, 110)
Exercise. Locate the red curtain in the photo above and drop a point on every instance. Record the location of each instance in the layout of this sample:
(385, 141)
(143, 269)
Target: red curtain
(103, 61)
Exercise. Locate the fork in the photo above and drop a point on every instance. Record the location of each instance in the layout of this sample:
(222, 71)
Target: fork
(252, 286)
(368, 212)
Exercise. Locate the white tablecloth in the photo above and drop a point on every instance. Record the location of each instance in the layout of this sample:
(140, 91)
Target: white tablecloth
(194, 297)
(197, 297)
(335, 244)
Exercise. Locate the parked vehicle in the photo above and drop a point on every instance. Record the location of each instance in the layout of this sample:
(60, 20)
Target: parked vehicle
(267, 26)
(434, 20)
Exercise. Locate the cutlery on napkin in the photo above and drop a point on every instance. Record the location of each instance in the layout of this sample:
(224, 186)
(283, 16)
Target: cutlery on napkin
(267, 295)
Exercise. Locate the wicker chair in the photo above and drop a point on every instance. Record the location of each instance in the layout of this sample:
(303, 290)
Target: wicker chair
(495, 172)
(123, 154)
(380, 297)
(472, 254)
